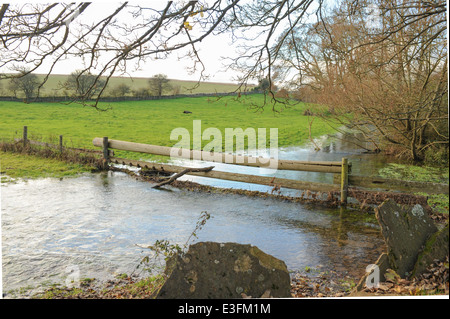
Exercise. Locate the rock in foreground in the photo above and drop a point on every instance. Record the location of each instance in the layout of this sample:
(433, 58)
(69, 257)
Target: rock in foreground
(405, 230)
(413, 241)
(212, 270)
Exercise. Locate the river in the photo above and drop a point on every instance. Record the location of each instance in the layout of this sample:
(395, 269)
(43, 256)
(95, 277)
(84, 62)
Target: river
(98, 223)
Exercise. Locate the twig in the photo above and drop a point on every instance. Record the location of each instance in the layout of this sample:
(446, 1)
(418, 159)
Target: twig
(316, 147)
(185, 171)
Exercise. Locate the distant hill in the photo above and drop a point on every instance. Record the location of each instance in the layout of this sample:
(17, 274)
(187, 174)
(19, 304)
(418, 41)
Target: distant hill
(53, 86)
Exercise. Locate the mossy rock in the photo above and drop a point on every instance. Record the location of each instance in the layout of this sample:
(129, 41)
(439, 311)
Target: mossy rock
(212, 270)
(436, 248)
(405, 230)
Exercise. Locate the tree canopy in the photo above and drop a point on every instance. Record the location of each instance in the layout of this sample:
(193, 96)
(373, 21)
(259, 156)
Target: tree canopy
(159, 84)
(383, 61)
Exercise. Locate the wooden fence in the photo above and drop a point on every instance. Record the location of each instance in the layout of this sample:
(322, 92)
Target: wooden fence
(341, 168)
(343, 179)
(59, 147)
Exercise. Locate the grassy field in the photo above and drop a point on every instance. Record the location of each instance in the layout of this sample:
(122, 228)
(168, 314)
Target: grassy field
(15, 165)
(53, 86)
(151, 122)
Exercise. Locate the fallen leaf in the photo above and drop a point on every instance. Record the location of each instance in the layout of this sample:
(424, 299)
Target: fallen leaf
(391, 276)
(187, 26)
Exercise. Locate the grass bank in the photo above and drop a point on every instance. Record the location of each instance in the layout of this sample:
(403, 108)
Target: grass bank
(152, 122)
(27, 166)
(33, 161)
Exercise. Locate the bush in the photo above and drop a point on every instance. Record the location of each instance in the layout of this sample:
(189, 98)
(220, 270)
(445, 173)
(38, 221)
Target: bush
(436, 156)
(141, 92)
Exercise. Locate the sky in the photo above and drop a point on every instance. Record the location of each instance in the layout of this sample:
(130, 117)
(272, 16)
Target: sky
(211, 50)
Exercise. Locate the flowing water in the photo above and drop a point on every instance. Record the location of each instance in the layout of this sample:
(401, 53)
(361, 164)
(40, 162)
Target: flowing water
(332, 148)
(98, 224)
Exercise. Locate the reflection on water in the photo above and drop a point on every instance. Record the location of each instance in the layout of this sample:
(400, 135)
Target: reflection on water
(332, 148)
(95, 222)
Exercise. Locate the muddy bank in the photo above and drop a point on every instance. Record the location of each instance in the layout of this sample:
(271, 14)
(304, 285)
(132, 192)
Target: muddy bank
(306, 284)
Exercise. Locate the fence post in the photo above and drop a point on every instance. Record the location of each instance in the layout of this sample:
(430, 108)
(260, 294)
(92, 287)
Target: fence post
(61, 143)
(105, 152)
(25, 136)
(344, 180)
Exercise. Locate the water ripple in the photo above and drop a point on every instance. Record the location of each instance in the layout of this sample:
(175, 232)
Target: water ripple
(96, 222)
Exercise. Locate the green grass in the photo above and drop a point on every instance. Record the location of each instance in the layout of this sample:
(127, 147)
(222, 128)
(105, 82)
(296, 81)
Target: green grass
(151, 122)
(415, 173)
(14, 166)
(439, 202)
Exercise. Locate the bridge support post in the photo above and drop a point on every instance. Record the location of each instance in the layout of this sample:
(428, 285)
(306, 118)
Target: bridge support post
(344, 181)
(61, 144)
(106, 159)
(25, 136)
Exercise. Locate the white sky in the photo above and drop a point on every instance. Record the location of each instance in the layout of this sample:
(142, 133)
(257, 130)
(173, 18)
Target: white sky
(211, 50)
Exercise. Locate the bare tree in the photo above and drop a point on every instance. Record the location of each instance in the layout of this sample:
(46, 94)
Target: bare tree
(159, 84)
(25, 82)
(84, 85)
(362, 53)
(120, 41)
(121, 90)
(385, 76)
(176, 89)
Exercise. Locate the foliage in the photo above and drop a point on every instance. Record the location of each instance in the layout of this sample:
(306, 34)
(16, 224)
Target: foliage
(438, 202)
(141, 92)
(124, 287)
(163, 248)
(120, 90)
(263, 85)
(437, 157)
(387, 67)
(52, 87)
(415, 173)
(54, 292)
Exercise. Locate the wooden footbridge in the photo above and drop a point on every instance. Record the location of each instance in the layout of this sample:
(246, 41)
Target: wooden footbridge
(343, 179)
(342, 170)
